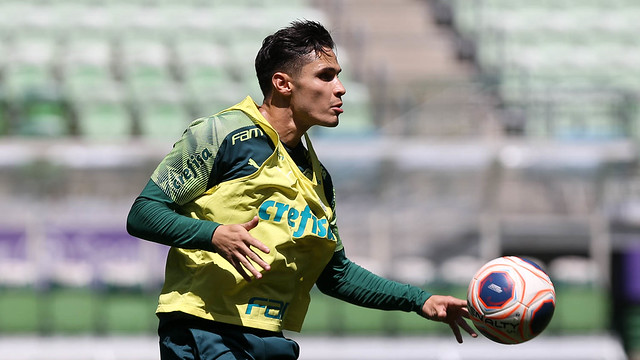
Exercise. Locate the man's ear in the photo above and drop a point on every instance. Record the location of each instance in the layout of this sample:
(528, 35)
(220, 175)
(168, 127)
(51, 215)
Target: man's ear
(281, 83)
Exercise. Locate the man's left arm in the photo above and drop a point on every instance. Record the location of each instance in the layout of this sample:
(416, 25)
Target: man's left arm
(345, 280)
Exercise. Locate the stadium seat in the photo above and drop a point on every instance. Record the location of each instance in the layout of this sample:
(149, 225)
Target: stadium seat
(143, 67)
(12, 15)
(86, 70)
(205, 77)
(83, 81)
(107, 119)
(22, 77)
(163, 120)
(43, 114)
(201, 65)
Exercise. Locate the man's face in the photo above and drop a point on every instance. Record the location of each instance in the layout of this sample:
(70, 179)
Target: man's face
(316, 97)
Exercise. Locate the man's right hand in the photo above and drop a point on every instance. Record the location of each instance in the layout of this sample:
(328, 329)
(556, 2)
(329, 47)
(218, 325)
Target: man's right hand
(233, 242)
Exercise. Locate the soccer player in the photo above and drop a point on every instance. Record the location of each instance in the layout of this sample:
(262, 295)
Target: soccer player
(249, 213)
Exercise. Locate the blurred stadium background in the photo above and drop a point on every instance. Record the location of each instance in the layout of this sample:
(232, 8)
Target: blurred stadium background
(472, 129)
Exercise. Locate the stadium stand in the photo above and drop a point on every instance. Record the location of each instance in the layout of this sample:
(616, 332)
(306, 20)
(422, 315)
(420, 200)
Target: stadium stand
(80, 52)
(550, 59)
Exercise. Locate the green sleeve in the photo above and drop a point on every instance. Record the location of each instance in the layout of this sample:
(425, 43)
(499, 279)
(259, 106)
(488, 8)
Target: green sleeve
(152, 218)
(345, 280)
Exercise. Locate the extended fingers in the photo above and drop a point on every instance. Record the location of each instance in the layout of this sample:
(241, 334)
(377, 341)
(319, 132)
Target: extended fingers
(456, 331)
(450, 310)
(461, 323)
(466, 327)
(246, 258)
(258, 245)
(465, 313)
(240, 268)
(242, 264)
(240, 249)
(252, 255)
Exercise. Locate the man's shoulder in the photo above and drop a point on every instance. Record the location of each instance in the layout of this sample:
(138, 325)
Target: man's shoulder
(243, 145)
(215, 129)
(224, 122)
(235, 117)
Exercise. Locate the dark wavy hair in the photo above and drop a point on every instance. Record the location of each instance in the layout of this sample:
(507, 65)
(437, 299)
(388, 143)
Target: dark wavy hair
(287, 50)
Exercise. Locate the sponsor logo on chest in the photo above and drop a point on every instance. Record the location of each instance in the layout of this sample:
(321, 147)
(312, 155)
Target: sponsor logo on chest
(298, 220)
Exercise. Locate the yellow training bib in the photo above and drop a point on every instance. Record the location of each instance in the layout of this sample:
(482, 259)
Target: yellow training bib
(295, 219)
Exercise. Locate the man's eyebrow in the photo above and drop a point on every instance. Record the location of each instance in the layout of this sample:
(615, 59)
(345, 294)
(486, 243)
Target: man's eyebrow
(330, 69)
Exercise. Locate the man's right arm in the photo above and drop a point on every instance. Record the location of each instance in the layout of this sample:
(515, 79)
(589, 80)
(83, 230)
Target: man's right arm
(152, 218)
(196, 163)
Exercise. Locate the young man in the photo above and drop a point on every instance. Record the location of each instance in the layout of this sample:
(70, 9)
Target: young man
(249, 213)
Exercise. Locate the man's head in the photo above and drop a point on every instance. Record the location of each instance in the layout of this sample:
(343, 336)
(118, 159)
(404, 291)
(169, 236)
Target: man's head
(289, 49)
(298, 73)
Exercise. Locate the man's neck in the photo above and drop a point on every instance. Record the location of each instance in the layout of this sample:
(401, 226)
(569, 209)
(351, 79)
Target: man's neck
(281, 119)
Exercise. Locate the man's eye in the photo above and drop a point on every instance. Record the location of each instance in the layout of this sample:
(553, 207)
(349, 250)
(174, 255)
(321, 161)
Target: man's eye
(326, 76)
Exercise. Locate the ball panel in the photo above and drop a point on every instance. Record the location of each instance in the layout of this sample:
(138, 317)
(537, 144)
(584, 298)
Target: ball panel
(496, 290)
(533, 297)
(531, 267)
(531, 263)
(541, 316)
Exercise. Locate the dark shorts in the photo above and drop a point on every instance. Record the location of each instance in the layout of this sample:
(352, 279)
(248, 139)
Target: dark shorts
(187, 337)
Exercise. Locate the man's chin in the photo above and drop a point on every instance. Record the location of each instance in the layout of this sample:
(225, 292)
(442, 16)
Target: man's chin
(333, 123)
(328, 124)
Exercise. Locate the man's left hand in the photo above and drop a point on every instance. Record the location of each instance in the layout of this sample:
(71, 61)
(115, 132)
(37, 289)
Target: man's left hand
(449, 310)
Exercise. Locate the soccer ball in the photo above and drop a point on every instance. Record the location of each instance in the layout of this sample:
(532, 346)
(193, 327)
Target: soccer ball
(511, 300)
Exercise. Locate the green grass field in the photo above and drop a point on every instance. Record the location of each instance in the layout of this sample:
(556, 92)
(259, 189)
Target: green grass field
(578, 310)
(73, 311)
